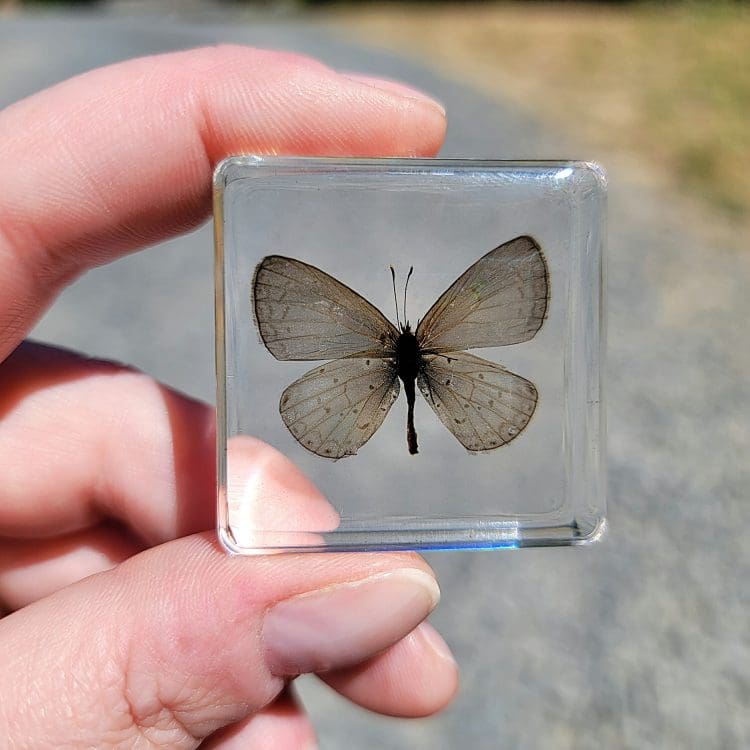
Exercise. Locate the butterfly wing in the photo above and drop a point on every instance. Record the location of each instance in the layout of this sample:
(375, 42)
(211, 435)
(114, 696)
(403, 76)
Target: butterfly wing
(336, 408)
(482, 404)
(303, 313)
(500, 300)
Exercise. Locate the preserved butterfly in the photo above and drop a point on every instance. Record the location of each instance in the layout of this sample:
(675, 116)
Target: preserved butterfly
(303, 313)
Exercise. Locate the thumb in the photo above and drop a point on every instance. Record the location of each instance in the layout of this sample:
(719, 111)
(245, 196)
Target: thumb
(183, 639)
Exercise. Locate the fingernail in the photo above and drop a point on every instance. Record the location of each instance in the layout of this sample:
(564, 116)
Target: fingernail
(346, 623)
(395, 87)
(435, 641)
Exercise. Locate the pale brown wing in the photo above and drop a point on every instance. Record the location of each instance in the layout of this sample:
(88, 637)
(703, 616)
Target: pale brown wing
(482, 404)
(336, 408)
(303, 313)
(500, 300)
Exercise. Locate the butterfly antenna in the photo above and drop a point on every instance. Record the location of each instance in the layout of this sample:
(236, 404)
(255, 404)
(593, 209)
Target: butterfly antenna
(406, 286)
(395, 298)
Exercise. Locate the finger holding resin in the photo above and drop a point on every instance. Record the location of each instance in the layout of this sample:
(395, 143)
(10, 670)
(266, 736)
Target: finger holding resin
(88, 173)
(183, 640)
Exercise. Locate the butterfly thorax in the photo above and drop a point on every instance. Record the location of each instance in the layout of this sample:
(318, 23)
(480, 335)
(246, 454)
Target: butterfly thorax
(407, 355)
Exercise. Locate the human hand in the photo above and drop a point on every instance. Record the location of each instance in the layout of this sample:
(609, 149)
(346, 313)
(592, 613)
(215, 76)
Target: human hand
(126, 625)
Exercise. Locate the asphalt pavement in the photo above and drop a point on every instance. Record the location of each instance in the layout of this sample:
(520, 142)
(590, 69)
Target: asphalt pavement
(641, 641)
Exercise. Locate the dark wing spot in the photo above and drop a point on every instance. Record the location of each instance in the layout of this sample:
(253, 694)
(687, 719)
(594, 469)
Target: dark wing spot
(480, 376)
(322, 370)
(491, 403)
(372, 387)
(328, 409)
(355, 410)
(367, 362)
(448, 381)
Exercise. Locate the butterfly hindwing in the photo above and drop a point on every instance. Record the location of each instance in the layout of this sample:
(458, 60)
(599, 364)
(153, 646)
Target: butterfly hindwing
(334, 409)
(303, 313)
(482, 404)
(501, 299)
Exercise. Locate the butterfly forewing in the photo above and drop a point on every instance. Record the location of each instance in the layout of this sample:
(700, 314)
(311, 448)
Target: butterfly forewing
(501, 299)
(482, 404)
(336, 408)
(302, 313)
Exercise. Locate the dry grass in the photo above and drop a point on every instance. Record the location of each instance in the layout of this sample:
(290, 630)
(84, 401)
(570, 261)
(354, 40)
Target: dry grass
(668, 89)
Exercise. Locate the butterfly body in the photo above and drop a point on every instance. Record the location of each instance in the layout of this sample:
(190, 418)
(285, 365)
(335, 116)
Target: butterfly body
(303, 313)
(408, 363)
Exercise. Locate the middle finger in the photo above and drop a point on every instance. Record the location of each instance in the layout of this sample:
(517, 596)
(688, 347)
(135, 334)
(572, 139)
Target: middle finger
(33, 568)
(107, 442)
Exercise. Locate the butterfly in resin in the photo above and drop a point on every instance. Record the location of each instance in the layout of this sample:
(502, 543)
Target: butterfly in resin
(303, 313)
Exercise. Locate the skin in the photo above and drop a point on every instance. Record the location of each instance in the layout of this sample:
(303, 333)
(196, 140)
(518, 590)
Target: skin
(126, 625)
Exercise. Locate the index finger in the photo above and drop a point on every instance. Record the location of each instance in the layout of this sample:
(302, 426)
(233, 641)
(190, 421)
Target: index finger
(122, 156)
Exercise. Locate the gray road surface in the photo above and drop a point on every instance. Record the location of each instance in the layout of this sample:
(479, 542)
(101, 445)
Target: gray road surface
(639, 642)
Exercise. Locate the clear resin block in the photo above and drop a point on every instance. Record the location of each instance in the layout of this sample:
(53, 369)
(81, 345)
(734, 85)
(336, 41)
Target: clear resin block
(423, 338)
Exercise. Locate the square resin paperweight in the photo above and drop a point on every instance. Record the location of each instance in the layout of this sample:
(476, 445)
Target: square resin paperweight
(423, 339)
